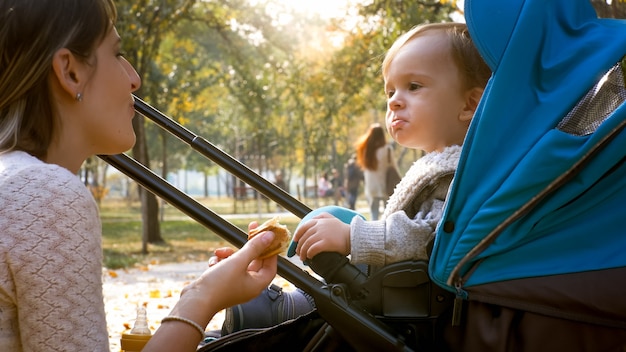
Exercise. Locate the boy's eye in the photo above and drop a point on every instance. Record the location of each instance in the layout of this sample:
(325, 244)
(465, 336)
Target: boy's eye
(414, 86)
(390, 93)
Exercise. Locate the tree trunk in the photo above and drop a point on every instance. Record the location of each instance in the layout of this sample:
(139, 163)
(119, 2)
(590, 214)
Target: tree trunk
(151, 230)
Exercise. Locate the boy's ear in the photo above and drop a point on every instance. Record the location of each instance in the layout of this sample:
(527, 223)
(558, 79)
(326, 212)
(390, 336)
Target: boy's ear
(67, 70)
(472, 99)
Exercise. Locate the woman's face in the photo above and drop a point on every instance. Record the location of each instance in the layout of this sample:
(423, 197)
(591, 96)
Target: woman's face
(107, 106)
(425, 96)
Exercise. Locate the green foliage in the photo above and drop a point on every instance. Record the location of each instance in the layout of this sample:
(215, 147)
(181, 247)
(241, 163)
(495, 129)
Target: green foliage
(261, 82)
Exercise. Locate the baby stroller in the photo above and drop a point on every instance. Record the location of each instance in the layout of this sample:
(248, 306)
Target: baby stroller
(531, 239)
(530, 253)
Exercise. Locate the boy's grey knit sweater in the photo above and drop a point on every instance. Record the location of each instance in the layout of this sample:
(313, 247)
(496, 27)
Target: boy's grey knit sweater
(411, 215)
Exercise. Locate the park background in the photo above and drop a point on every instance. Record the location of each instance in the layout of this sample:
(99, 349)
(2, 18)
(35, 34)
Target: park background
(284, 86)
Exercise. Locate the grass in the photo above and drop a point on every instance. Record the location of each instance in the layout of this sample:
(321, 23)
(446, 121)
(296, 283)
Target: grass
(185, 239)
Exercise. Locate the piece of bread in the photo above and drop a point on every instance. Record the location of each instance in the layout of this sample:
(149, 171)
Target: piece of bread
(282, 237)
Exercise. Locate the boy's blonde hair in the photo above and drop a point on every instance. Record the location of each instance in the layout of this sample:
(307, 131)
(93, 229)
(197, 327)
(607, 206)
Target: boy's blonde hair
(474, 70)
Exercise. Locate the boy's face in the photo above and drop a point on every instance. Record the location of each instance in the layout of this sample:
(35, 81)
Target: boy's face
(425, 95)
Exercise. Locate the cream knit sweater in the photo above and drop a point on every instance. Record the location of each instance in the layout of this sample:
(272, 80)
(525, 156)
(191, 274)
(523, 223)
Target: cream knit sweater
(50, 260)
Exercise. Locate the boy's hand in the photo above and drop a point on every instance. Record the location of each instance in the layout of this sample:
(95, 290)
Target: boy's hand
(323, 233)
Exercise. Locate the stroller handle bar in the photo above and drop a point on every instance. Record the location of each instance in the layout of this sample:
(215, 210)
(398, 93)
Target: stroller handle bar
(224, 160)
(366, 332)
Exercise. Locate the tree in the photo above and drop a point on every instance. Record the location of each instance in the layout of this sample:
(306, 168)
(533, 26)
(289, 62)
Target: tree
(143, 26)
(610, 9)
(256, 84)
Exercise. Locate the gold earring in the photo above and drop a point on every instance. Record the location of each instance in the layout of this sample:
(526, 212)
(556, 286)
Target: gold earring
(79, 97)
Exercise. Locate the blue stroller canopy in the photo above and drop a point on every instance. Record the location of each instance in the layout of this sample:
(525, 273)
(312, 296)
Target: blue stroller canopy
(546, 55)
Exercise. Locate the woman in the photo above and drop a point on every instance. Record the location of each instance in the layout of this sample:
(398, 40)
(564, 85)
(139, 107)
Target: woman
(66, 94)
(373, 156)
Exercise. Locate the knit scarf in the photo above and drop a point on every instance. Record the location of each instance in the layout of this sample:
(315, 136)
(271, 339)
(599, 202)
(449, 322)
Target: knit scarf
(420, 174)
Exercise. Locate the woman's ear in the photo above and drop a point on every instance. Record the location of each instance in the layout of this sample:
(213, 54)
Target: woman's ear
(67, 70)
(472, 98)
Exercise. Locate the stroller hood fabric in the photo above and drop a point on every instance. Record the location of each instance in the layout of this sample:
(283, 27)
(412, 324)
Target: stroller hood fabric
(545, 55)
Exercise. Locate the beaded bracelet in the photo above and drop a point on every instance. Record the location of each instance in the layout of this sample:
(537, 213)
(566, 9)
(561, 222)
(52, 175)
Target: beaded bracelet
(185, 320)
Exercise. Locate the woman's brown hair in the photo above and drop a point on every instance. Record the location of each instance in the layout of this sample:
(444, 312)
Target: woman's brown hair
(31, 32)
(367, 145)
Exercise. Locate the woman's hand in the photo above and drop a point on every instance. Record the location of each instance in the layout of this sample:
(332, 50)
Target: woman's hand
(220, 254)
(236, 278)
(225, 252)
(224, 284)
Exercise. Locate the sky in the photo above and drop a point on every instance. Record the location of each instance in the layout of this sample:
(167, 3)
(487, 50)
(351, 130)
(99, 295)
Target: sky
(326, 8)
(335, 8)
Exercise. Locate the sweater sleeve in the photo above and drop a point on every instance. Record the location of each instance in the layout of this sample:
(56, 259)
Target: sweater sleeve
(396, 238)
(54, 256)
